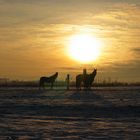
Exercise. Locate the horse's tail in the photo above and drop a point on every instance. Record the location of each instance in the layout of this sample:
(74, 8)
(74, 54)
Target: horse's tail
(40, 82)
(77, 85)
(78, 81)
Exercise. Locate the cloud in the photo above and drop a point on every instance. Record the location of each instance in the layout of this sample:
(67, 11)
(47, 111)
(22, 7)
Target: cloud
(70, 68)
(35, 32)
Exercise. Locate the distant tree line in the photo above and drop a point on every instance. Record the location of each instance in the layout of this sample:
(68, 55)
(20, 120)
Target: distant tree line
(4, 82)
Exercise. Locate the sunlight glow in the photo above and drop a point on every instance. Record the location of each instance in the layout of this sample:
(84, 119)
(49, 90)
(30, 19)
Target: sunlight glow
(84, 48)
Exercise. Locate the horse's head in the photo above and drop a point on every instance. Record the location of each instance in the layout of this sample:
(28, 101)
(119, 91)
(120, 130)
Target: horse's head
(56, 73)
(94, 71)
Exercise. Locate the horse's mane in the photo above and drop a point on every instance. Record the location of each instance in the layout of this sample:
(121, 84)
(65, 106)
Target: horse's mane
(94, 72)
(92, 76)
(55, 75)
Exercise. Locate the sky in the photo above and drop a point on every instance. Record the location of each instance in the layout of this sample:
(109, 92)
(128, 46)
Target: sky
(34, 37)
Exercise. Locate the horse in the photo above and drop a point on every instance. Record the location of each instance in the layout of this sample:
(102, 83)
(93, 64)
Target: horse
(79, 79)
(50, 79)
(86, 79)
(89, 79)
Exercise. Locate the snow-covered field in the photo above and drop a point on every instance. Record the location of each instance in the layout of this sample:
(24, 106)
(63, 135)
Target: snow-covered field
(102, 113)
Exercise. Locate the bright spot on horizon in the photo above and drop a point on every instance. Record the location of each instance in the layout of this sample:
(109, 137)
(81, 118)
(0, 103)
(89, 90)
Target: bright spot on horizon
(84, 48)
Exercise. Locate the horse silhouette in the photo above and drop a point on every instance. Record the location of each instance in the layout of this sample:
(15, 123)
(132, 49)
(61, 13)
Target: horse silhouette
(86, 79)
(50, 80)
(79, 79)
(89, 79)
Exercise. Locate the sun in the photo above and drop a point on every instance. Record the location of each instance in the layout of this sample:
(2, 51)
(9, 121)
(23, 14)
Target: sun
(84, 48)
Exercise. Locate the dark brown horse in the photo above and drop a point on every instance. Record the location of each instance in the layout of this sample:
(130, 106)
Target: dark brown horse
(86, 79)
(50, 80)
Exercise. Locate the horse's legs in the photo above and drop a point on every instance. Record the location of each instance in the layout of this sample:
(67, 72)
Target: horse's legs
(78, 84)
(40, 84)
(43, 85)
(39, 87)
(52, 85)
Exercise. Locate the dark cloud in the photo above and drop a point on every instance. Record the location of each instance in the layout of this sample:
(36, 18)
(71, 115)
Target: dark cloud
(137, 49)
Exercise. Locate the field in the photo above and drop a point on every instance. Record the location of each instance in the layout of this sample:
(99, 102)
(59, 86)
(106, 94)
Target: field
(102, 113)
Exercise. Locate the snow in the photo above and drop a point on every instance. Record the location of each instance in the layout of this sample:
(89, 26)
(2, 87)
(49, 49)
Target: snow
(102, 113)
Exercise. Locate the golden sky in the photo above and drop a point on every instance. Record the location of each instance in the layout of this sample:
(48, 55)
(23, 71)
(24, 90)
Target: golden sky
(34, 36)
